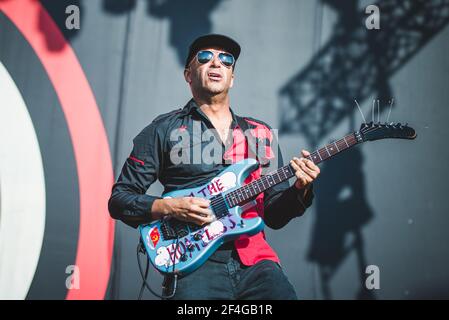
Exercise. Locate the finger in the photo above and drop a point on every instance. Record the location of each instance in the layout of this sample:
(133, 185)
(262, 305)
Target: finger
(185, 218)
(300, 174)
(297, 160)
(195, 217)
(300, 164)
(202, 220)
(312, 174)
(304, 165)
(197, 220)
(303, 182)
(303, 177)
(305, 153)
(204, 203)
(312, 165)
(295, 165)
(199, 211)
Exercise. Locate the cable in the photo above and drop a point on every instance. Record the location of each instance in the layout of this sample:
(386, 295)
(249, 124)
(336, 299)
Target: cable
(141, 248)
(146, 276)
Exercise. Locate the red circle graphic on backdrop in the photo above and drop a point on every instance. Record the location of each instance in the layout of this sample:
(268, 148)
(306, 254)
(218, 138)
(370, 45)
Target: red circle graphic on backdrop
(90, 143)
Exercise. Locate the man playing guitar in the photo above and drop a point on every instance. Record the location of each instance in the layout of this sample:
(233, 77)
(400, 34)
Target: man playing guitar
(246, 268)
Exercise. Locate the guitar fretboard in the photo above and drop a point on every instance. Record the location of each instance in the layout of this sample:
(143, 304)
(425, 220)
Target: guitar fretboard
(252, 189)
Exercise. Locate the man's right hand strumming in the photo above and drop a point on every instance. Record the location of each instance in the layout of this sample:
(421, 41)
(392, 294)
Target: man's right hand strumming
(187, 209)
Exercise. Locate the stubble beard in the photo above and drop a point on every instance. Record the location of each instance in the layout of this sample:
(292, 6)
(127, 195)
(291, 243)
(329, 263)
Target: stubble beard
(210, 88)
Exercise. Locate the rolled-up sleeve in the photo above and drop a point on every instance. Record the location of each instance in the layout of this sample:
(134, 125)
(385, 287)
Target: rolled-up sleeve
(129, 201)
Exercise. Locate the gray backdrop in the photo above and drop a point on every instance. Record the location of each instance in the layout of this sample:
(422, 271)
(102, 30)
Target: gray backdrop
(303, 63)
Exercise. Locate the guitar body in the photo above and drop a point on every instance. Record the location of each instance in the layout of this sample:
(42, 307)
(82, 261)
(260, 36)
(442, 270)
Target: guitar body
(175, 246)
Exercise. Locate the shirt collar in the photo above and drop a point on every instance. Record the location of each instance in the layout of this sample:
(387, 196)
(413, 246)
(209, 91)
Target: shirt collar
(192, 106)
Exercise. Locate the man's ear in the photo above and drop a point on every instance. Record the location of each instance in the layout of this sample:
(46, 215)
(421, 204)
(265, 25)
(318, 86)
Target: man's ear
(232, 80)
(188, 75)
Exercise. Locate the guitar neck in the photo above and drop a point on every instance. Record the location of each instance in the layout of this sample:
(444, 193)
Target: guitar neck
(247, 192)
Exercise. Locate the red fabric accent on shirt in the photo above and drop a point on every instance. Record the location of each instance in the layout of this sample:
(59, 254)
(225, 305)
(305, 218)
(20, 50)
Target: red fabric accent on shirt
(136, 160)
(255, 248)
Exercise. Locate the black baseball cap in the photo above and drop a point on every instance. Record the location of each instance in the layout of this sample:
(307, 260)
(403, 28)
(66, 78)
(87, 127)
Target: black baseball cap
(213, 40)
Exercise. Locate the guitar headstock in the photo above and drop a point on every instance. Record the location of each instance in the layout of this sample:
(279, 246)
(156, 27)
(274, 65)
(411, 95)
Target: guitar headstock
(375, 131)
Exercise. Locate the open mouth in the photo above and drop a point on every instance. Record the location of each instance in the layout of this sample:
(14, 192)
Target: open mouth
(214, 76)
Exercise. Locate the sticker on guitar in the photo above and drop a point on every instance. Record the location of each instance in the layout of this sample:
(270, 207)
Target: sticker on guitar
(219, 184)
(212, 231)
(153, 237)
(167, 255)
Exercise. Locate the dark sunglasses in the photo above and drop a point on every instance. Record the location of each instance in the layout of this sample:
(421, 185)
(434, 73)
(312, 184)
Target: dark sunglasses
(205, 56)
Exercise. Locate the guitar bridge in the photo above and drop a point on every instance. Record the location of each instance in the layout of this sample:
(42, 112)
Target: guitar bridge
(173, 229)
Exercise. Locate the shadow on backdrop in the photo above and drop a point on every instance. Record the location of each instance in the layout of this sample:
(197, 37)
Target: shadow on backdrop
(341, 213)
(188, 19)
(355, 63)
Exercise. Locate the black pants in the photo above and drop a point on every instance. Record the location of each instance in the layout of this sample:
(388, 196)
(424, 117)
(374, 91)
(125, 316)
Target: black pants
(224, 277)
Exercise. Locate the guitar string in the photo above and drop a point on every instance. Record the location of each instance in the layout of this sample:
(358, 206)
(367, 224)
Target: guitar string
(360, 109)
(378, 111)
(258, 183)
(261, 182)
(389, 111)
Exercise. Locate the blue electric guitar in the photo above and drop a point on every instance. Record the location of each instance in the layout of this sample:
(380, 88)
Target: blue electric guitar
(178, 247)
